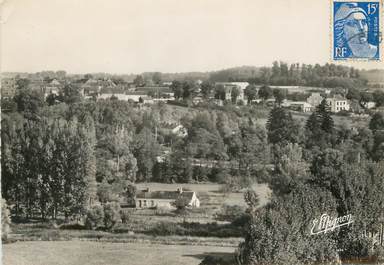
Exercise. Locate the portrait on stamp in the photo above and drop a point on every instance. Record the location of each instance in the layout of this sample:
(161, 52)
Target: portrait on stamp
(356, 30)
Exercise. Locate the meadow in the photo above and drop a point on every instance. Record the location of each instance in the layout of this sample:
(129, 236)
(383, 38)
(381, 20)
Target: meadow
(101, 253)
(150, 237)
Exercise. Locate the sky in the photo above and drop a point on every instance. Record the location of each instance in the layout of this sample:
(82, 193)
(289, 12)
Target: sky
(134, 36)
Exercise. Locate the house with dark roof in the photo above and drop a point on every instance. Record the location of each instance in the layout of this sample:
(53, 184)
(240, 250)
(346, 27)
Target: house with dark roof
(165, 199)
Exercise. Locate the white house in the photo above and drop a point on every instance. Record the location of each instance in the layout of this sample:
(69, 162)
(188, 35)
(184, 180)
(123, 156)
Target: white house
(369, 105)
(338, 103)
(165, 199)
(301, 106)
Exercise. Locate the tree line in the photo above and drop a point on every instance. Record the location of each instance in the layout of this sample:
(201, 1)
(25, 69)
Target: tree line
(320, 168)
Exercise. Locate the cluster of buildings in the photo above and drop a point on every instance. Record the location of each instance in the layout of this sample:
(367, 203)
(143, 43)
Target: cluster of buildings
(102, 89)
(336, 103)
(93, 88)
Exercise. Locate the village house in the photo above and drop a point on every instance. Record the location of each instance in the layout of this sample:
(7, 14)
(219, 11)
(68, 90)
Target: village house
(338, 103)
(301, 106)
(157, 92)
(369, 105)
(230, 86)
(165, 199)
(53, 87)
(94, 86)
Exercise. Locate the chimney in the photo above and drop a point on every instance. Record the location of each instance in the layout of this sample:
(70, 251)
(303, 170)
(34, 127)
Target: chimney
(146, 190)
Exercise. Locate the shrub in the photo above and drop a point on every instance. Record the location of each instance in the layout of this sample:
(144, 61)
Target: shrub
(167, 229)
(111, 215)
(5, 221)
(95, 217)
(125, 216)
(230, 212)
(214, 260)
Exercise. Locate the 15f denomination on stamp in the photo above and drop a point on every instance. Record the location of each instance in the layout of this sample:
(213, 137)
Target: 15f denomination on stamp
(356, 30)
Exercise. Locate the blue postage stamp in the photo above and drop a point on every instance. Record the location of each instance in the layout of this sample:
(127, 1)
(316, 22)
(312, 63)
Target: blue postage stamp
(356, 30)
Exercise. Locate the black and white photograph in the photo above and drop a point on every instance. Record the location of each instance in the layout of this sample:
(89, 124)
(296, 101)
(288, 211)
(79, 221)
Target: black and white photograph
(192, 132)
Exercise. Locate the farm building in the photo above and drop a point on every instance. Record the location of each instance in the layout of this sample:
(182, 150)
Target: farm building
(165, 199)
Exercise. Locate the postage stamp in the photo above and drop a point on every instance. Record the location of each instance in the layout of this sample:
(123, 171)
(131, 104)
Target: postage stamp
(356, 30)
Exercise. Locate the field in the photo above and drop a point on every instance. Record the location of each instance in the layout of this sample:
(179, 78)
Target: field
(98, 253)
(187, 241)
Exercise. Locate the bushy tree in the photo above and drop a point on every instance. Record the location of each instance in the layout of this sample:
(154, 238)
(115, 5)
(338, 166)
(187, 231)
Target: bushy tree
(71, 94)
(207, 89)
(284, 222)
(377, 121)
(95, 217)
(111, 215)
(265, 92)
(290, 168)
(320, 127)
(248, 148)
(250, 92)
(282, 128)
(279, 95)
(29, 102)
(146, 149)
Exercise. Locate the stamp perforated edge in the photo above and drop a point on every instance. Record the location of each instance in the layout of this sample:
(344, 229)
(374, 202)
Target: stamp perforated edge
(381, 37)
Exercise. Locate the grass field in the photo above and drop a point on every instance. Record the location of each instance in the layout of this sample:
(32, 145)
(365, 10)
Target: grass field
(39, 243)
(100, 253)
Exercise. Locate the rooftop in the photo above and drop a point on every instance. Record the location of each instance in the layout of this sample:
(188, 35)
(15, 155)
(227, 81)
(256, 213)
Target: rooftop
(164, 195)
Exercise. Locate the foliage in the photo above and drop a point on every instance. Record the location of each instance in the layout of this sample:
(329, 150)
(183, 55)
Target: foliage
(125, 216)
(252, 199)
(248, 147)
(111, 215)
(62, 179)
(213, 260)
(377, 121)
(29, 102)
(320, 127)
(265, 92)
(71, 94)
(282, 128)
(181, 203)
(250, 92)
(279, 95)
(290, 168)
(145, 149)
(95, 217)
(106, 193)
(230, 212)
(378, 97)
(274, 227)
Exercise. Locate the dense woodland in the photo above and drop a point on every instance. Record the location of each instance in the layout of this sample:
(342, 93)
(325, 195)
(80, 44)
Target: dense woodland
(59, 159)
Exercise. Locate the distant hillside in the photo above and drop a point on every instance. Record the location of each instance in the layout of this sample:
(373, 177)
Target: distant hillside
(235, 74)
(168, 77)
(373, 76)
